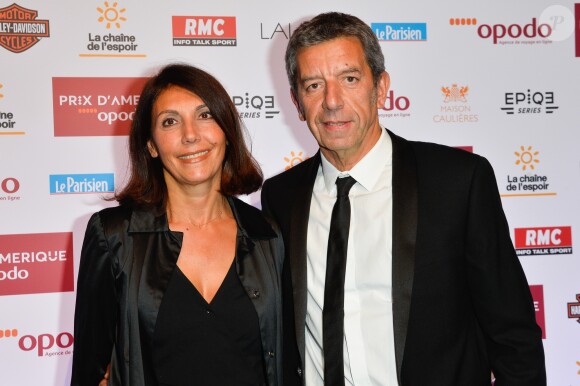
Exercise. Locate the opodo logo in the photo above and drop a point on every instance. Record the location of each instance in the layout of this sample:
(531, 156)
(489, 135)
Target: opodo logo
(455, 107)
(531, 32)
(9, 187)
(543, 241)
(111, 18)
(399, 32)
(43, 345)
(574, 310)
(396, 106)
(82, 183)
(36, 263)
(94, 106)
(529, 102)
(204, 30)
(19, 28)
(253, 106)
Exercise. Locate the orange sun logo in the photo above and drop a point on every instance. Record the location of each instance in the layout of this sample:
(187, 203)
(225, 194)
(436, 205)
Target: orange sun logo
(1, 95)
(111, 15)
(294, 159)
(527, 157)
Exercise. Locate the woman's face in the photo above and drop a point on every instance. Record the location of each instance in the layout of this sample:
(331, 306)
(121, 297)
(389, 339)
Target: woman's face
(187, 140)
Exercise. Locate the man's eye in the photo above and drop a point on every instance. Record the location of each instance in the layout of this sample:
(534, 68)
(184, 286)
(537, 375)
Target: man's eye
(351, 79)
(313, 86)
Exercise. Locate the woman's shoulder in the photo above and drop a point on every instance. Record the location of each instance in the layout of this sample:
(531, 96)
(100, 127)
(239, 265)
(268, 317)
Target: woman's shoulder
(253, 220)
(111, 220)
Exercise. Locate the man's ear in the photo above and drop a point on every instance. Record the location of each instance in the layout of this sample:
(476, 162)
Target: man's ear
(296, 102)
(382, 89)
(152, 149)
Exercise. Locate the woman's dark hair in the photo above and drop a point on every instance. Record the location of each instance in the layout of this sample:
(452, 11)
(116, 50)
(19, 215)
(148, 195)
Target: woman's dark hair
(146, 187)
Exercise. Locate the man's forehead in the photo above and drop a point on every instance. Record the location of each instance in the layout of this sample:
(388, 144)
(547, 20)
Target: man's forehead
(341, 55)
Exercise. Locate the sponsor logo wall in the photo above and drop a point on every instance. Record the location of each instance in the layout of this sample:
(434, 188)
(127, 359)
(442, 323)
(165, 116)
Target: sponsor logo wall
(500, 82)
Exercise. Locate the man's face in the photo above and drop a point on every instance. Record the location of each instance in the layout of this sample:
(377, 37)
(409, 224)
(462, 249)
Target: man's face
(337, 98)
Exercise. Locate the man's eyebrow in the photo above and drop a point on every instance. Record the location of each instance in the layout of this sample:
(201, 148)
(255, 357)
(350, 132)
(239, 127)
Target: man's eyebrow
(345, 71)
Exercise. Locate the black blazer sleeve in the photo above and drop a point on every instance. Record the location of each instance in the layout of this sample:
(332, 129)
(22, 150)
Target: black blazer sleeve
(95, 311)
(499, 289)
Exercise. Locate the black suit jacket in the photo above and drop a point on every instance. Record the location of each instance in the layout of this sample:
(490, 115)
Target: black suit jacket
(461, 302)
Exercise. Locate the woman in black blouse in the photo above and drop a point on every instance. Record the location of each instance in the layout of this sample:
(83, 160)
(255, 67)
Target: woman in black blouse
(180, 283)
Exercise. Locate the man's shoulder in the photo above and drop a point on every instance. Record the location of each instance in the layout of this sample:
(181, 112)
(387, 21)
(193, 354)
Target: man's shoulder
(296, 172)
(436, 152)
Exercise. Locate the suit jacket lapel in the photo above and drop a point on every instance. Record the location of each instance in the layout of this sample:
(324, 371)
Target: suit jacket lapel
(405, 212)
(299, 214)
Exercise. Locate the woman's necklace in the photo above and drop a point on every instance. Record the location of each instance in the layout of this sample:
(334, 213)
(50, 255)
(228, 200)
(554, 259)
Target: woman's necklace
(203, 224)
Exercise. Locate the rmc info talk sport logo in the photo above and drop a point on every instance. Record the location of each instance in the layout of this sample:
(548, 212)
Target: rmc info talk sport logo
(19, 28)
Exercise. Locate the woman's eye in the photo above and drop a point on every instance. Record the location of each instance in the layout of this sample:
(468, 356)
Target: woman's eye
(168, 122)
(205, 115)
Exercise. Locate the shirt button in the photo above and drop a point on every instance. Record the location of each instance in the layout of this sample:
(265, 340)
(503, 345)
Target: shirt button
(208, 312)
(271, 354)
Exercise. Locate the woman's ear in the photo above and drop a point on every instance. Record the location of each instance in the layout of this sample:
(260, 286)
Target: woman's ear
(152, 149)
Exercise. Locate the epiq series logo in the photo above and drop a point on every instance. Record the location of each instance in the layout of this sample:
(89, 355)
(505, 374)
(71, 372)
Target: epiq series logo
(543, 241)
(537, 292)
(43, 345)
(36, 263)
(94, 106)
(19, 28)
(396, 106)
(204, 30)
(253, 106)
(399, 32)
(9, 187)
(455, 107)
(111, 43)
(82, 183)
(529, 102)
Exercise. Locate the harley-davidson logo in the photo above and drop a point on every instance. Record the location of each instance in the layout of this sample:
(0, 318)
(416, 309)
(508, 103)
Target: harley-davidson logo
(19, 28)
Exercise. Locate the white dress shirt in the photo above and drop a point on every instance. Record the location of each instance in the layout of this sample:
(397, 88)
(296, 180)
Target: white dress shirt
(369, 353)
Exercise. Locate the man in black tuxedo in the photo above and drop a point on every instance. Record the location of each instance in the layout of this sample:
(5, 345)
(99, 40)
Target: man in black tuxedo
(434, 293)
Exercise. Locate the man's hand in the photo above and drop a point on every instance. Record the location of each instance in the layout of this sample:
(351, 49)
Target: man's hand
(105, 380)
